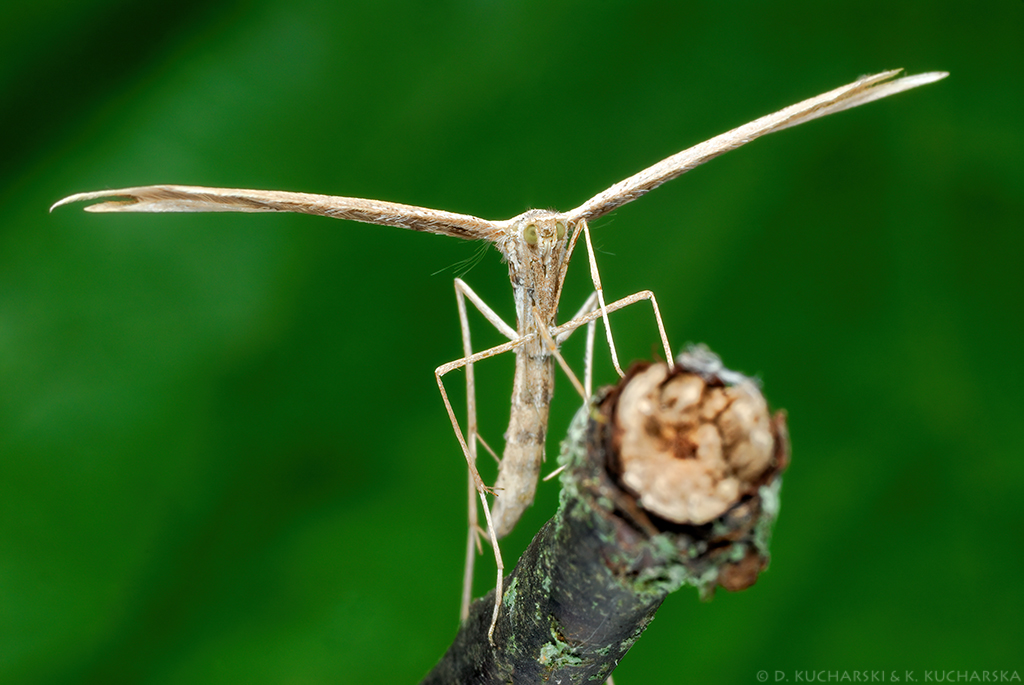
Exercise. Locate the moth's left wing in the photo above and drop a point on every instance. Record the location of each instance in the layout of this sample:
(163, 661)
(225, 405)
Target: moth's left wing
(165, 198)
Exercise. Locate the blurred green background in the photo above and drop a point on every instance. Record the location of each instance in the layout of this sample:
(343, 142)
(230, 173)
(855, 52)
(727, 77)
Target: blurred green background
(223, 458)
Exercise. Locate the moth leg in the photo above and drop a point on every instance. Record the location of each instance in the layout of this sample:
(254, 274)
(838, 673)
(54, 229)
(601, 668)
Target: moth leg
(585, 317)
(595, 276)
(468, 442)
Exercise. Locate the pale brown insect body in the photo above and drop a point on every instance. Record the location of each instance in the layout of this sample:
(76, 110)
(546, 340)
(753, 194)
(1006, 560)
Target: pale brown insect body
(537, 262)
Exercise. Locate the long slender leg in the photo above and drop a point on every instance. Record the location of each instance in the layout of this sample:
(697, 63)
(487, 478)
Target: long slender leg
(469, 444)
(595, 276)
(462, 289)
(588, 354)
(587, 315)
(561, 333)
(588, 360)
(553, 351)
(472, 537)
(462, 292)
(482, 490)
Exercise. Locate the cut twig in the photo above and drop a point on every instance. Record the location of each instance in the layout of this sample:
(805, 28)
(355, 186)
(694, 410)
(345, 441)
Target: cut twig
(671, 478)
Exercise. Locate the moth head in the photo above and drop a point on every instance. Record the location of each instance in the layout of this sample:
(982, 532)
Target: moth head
(540, 232)
(537, 245)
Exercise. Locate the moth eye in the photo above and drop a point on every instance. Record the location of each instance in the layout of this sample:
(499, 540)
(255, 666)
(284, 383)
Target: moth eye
(560, 229)
(530, 234)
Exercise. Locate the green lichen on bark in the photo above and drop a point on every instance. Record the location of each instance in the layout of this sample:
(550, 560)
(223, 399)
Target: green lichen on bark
(558, 654)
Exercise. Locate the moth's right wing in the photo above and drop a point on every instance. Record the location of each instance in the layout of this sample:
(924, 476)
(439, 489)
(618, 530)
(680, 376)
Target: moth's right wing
(854, 94)
(199, 199)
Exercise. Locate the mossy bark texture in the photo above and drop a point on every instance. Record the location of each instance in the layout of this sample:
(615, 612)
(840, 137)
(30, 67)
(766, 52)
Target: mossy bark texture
(593, 577)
